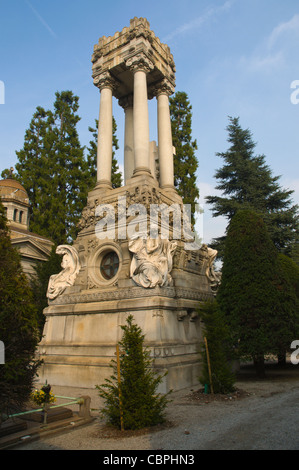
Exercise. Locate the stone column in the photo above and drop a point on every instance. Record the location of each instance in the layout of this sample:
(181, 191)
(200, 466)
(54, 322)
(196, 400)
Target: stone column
(127, 104)
(104, 151)
(165, 147)
(140, 65)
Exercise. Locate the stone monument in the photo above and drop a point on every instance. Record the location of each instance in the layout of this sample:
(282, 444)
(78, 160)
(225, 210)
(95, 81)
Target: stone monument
(131, 255)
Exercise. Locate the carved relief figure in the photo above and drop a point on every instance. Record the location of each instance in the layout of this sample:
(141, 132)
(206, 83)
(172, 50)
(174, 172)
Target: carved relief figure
(214, 277)
(152, 261)
(71, 266)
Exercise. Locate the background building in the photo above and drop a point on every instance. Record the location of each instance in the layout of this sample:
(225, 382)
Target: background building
(32, 247)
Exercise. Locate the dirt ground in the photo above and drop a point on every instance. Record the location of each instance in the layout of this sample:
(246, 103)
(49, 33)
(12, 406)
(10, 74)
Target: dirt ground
(260, 414)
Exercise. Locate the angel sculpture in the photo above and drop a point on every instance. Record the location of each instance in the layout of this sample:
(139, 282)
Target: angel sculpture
(71, 266)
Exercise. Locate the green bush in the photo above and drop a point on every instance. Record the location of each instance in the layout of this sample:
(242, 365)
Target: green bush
(217, 335)
(140, 404)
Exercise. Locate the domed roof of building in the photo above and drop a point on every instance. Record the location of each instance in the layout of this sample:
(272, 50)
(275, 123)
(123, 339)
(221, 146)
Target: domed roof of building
(11, 187)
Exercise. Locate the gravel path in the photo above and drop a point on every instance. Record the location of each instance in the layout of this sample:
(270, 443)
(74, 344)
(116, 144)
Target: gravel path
(266, 417)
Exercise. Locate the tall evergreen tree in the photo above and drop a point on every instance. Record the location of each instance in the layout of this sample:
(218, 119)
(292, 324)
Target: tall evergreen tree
(254, 294)
(33, 170)
(18, 327)
(185, 161)
(116, 177)
(53, 170)
(247, 182)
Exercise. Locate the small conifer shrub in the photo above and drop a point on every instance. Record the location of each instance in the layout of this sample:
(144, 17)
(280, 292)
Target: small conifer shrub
(135, 398)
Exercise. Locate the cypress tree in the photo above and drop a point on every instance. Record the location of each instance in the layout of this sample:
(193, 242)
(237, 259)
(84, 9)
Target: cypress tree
(53, 170)
(247, 182)
(33, 169)
(253, 294)
(18, 327)
(185, 161)
(140, 404)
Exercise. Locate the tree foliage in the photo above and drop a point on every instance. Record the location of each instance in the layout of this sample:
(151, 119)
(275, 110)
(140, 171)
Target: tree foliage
(254, 294)
(185, 161)
(247, 182)
(18, 327)
(52, 168)
(141, 405)
(216, 331)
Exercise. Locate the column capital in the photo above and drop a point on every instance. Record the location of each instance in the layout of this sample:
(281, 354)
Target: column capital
(165, 87)
(105, 80)
(126, 101)
(140, 62)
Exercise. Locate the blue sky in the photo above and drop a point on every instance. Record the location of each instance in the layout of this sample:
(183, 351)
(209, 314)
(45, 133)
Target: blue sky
(233, 58)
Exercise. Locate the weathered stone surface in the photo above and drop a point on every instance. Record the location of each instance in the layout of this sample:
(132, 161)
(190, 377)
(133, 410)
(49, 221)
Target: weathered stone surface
(158, 279)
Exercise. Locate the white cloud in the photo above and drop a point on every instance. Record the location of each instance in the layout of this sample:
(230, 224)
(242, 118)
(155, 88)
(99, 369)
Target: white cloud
(260, 62)
(272, 52)
(291, 26)
(197, 22)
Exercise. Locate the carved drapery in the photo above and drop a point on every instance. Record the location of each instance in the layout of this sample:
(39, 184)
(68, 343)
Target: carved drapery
(66, 278)
(152, 261)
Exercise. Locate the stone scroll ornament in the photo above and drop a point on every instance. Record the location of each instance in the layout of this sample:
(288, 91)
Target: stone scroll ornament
(71, 266)
(152, 261)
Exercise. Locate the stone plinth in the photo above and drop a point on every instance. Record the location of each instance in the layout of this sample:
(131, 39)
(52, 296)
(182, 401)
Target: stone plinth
(83, 323)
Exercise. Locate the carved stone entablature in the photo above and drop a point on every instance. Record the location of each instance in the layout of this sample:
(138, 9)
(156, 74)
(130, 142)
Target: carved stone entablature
(66, 278)
(140, 27)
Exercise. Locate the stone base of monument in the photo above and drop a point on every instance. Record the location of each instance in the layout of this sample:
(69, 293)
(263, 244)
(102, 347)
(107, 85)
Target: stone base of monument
(80, 338)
